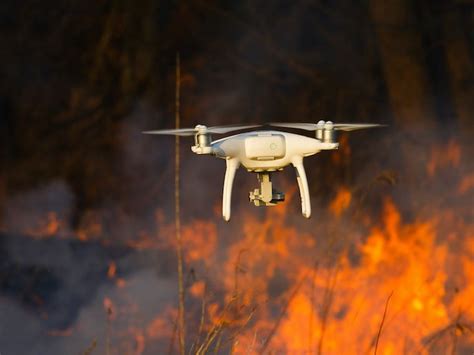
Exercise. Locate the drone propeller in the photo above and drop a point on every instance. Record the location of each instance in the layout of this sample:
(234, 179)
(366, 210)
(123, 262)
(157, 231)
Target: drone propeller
(201, 129)
(326, 125)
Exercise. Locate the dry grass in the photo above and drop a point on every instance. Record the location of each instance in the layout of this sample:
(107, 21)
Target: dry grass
(379, 333)
(179, 251)
(90, 348)
(326, 305)
(455, 330)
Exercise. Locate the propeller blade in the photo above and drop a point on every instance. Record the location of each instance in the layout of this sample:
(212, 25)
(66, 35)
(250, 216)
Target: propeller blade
(336, 126)
(193, 131)
(230, 128)
(305, 126)
(354, 126)
(174, 132)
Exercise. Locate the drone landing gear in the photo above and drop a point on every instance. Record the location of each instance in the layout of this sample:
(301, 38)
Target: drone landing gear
(265, 195)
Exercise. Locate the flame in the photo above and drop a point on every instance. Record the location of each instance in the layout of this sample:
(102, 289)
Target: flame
(338, 306)
(466, 184)
(47, 227)
(400, 258)
(110, 308)
(159, 328)
(112, 270)
(444, 156)
(341, 202)
(272, 286)
(200, 240)
(344, 151)
(197, 289)
(139, 341)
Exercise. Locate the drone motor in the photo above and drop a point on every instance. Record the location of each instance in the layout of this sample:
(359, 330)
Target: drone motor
(325, 132)
(202, 140)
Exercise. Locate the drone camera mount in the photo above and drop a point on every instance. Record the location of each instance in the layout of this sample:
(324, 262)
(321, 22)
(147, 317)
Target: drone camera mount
(265, 195)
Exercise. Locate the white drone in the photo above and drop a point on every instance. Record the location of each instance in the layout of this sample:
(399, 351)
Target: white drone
(264, 152)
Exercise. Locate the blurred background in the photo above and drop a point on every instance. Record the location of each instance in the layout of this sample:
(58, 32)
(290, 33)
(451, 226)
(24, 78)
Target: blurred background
(87, 260)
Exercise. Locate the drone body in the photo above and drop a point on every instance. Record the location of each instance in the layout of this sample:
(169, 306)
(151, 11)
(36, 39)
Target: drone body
(265, 152)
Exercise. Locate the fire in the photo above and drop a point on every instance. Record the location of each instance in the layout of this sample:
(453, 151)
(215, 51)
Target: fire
(265, 284)
(466, 184)
(139, 339)
(331, 306)
(159, 328)
(197, 289)
(399, 258)
(110, 308)
(89, 230)
(341, 202)
(344, 152)
(444, 156)
(200, 240)
(50, 226)
(112, 270)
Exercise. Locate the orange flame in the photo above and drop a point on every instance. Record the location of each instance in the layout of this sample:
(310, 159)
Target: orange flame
(466, 184)
(282, 288)
(444, 156)
(341, 202)
(112, 270)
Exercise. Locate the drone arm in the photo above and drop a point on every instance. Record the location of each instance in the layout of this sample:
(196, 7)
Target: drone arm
(303, 186)
(232, 166)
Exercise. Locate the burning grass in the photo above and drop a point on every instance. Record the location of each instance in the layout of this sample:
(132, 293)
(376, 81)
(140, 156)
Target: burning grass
(347, 282)
(265, 294)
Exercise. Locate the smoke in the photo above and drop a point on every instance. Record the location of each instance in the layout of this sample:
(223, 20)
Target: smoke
(31, 209)
(56, 285)
(53, 284)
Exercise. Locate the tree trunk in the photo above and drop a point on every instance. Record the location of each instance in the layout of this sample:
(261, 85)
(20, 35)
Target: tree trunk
(461, 71)
(401, 51)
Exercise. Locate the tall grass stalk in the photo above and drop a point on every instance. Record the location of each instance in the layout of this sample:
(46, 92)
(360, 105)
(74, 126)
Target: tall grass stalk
(179, 251)
(382, 323)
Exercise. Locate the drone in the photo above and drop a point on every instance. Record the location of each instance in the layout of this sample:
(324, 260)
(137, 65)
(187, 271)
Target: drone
(264, 153)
